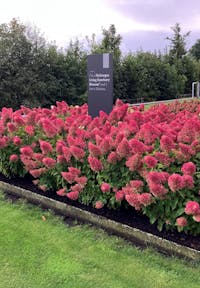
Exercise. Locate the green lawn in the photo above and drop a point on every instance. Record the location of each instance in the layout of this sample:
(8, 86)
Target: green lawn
(147, 106)
(40, 253)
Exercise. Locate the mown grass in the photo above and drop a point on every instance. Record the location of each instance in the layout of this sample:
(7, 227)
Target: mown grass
(37, 249)
(147, 106)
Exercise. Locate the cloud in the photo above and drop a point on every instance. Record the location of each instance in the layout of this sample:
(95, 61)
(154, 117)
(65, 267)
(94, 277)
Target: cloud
(138, 20)
(160, 13)
(65, 19)
(150, 41)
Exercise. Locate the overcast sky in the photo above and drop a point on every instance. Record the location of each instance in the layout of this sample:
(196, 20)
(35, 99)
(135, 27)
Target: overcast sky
(143, 24)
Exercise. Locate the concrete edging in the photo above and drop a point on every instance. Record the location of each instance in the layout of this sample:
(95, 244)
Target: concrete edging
(132, 234)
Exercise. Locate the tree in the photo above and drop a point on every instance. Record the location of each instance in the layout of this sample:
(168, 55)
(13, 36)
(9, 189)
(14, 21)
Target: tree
(22, 62)
(129, 78)
(147, 77)
(34, 73)
(190, 68)
(177, 43)
(195, 50)
(75, 81)
(15, 50)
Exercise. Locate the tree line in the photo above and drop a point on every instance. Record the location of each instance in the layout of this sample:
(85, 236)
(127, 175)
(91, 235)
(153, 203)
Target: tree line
(36, 73)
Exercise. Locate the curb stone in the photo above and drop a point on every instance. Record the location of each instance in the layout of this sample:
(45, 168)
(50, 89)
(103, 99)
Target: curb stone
(134, 235)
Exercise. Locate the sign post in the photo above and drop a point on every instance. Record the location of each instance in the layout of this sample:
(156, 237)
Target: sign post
(100, 83)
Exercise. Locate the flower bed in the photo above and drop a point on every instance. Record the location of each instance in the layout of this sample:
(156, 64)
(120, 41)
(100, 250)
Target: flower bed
(146, 159)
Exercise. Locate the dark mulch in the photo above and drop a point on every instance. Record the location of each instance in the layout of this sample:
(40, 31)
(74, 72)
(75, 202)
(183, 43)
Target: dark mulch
(126, 216)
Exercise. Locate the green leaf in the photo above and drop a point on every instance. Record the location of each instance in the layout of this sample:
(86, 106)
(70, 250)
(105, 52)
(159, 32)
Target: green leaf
(153, 219)
(174, 203)
(179, 212)
(160, 225)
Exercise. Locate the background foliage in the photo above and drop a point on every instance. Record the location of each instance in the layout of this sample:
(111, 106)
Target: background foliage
(36, 73)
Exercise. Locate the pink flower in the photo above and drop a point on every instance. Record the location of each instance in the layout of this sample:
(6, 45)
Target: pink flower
(123, 149)
(82, 181)
(66, 153)
(37, 172)
(196, 145)
(113, 117)
(29, 130)
(192, 208)
(145, 199)
(70, 140)
(158, 190)
(166, 143)
(94, 150)
(11, 127)
(105, 145)
(98, 139)
(17, 140)
(28, 163)
(119, 138)
(18, 120)
(133, 162)
(163, 159)
(158, 177)
(49, 128)
(137, 146)
(76, 187)
(99, 205)
(75, 171)
(181, 222)
(133, 200)
(27, 151)
(35, 182)
(188, 168)
(61, 192)
(76, 141)
(175, 182)
(143, 172)
(73, 195)
(137, 185)
(112, 158)
(6, 113)
(95, 164)
(59, 146)
(38, 156)
(13, 158)
(43, 187)
(33, 145)
(77, 152)
(119, 195)
(45, 147)
(150, 161)
(59, 124)
(186, 149)
(105, 187)
(188, 181)
(68, 176)
(148, 133)
(49, 162)
(128, 190)
(61, 159)
(196, 217)
(187, 133)
(3, 142)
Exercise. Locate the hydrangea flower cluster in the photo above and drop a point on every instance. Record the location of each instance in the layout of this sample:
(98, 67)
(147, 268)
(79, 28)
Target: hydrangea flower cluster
(148, 159)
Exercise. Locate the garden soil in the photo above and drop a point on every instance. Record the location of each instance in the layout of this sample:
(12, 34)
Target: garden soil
(128, 216)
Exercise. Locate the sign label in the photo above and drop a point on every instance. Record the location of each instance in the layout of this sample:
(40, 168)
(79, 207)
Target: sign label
(100, 83)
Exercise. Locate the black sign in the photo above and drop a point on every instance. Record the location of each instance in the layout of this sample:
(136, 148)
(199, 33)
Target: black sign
(100, 83)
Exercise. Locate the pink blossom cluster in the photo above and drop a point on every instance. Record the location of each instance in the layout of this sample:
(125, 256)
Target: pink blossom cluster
(133, 193)
(155, 149)
(193, 208)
